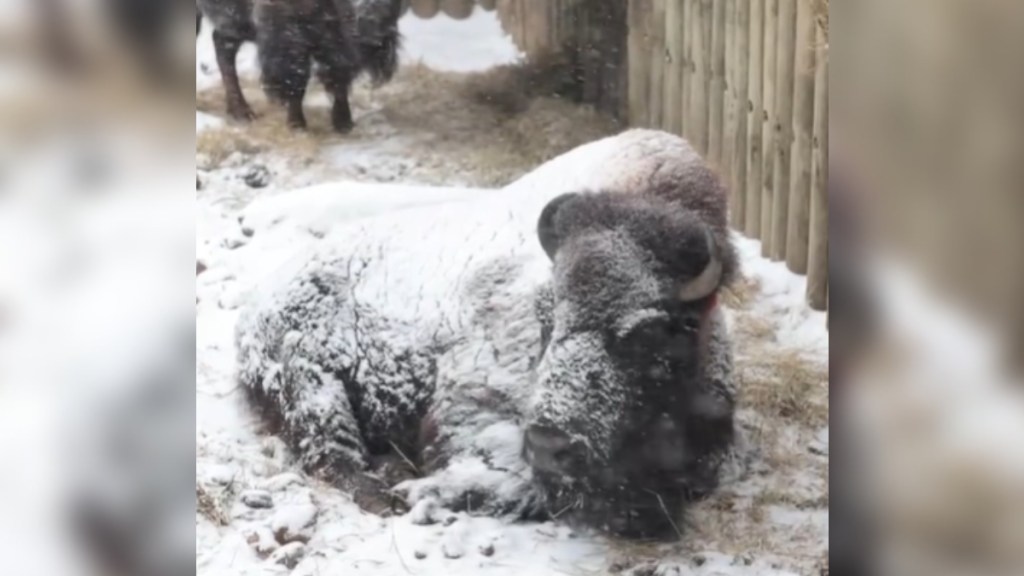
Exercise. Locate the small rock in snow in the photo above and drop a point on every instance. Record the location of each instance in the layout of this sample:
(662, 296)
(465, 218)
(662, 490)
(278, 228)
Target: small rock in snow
(645, 569)
(289, 555)
(452, 550)
(274, 447)
(487, 549)
(233, 243)
(247, 231)
(200, 267)
(819, 445)
(261, 539)
(450, 520)
(257, 176)
(547, 532)
(424, 513)
(419, 554)
(294, 523)
(743, 560)
(257, 499)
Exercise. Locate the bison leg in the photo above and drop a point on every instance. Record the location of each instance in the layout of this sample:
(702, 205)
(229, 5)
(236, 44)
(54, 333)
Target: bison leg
(285, 59)
(337, 65)
(296, 117)
(310, 409)
(226, 48)
(341, 113)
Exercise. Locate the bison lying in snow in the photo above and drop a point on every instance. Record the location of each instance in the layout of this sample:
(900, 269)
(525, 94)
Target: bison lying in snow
(584, 374)
(341, 37)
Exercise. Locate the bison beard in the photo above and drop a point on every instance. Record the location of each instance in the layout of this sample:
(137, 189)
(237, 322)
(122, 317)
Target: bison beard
(338, 38)
(592, 384)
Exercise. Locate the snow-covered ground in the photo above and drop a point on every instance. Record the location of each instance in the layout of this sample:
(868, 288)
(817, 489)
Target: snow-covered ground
(260, 204)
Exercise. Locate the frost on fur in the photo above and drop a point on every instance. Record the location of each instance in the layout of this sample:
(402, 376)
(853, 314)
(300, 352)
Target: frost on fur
(554, 349)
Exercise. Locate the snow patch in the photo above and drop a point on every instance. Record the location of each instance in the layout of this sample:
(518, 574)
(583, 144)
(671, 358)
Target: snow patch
(482, 43)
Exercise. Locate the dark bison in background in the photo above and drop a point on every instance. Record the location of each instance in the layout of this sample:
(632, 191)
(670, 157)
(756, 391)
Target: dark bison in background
(537, 352)
(339, 39)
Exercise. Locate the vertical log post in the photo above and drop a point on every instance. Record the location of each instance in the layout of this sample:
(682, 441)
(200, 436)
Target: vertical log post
(817, 265)
(688, 67)
(785, 56)
(741, 64)
(716, 95)
(457, 9)
(771, 29)
(675, 62)
(803, 124)
(425, 9)
(639, 12)
(701, 31)
(755, 119)
(658, 66)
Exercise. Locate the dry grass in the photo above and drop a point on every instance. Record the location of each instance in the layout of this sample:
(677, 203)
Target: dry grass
(478, 129)
(509, 89)
(741, 294)
(209, 507)
(782, 498)
(754, 328)
(268, 132)
(786, 385)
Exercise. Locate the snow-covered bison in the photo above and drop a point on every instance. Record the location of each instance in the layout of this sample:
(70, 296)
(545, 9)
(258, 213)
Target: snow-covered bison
(341, 38)
(553, 348)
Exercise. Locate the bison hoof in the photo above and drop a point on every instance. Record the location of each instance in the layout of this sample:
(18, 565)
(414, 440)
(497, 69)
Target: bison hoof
(241, 113)
(344, 127)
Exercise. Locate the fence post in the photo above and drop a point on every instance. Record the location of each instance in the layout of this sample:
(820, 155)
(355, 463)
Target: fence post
(457, 9)
(425, 9)
(771, 29)
(673, 101)
(803, 123)
(817, 269)
(716, 96)
(728, 94)
(701, 31)
(637, 67)
(741, 64)
(687, 69)
(786, 52)
(655, 105)
(755, 119)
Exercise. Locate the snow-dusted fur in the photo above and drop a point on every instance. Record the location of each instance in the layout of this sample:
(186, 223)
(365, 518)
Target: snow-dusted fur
(339, 38)
(444, 332)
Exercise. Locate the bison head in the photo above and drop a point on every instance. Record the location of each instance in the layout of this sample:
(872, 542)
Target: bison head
(622, 428)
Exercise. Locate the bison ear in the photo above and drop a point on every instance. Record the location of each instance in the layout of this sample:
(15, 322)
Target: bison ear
(547, 231)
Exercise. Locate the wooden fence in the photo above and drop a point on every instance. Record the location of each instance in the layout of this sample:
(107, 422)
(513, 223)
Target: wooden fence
(745, 81)
(457, 9)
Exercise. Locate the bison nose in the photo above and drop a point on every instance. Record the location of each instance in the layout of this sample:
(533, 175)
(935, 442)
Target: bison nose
(554, 451)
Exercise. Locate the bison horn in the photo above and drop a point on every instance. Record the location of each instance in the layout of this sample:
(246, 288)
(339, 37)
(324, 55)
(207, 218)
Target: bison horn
(547, 232)
(707, 281)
